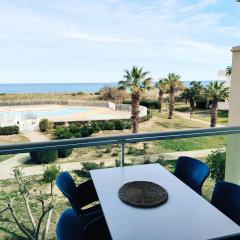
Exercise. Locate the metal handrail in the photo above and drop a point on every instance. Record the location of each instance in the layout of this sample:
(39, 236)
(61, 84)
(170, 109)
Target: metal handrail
(117, 139)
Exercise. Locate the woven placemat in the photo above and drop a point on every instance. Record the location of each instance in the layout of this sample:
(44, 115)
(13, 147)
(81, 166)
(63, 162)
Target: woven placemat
(143, 194)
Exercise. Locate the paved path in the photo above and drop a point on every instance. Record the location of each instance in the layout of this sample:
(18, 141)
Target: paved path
(186, 115)
(39, 169)
(7, 165)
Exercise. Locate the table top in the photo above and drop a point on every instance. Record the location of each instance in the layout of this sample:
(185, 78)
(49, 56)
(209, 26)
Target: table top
(186, 215)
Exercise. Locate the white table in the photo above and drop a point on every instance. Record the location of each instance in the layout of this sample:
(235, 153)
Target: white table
(185, 216)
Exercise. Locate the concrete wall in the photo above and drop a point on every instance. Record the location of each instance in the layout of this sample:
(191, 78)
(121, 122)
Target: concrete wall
(232, 171)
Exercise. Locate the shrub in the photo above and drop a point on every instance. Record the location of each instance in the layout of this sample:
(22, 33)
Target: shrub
(99, 154)
(145, 147)
(115, 152)
(86, 131)
(146, 160)
(44, 156)
(128, 124)
(111, 93)
(95, 127)
(45, 125)
(117, 162)
(161, 161)
(74, 130)
(108, 149)
(64, 153)
(216, 161)
(119, 124)
(87, 166)
(9, 130)
(50, 175)
(63, 133)
(145, 118)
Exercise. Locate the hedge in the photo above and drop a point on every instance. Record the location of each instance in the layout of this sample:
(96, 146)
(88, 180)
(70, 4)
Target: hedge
(149, 103)
(64, 153)
(9, 130)
(97, 125)
(44, 156)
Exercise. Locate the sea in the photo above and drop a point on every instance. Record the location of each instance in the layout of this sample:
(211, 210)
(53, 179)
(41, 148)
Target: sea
(59, 87)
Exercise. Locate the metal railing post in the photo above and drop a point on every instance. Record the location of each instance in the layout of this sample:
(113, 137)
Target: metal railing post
(122, 152)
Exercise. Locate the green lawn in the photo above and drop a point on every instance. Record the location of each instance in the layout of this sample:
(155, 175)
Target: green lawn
(189, 144)
(222, 116)
(203, 114)
(11, 139)
(8, 230)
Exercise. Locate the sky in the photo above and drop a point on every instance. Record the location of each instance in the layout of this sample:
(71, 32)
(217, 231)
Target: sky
(50, 41)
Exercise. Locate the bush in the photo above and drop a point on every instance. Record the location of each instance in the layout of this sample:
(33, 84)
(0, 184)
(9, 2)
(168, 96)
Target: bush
(119, 124)
(45, 125)
(111, 93)
(146, 160)
(51, 173)
(86, 131)
(44, 156)
(9, 130)
(95, 127)
(216, 161)
(64, 153)
(99, 154)
(87, 166)
(106, 125)
(117, 162)
(63, 133)
(115, 152)
(128, 124)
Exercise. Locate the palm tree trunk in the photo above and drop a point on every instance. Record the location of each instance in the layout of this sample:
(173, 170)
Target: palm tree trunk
(191, 105)
(214, 113)
(135, 99)
(171, 104)
(160, 98)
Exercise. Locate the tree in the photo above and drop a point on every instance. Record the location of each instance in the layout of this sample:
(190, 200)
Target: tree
(40, 225)
(112, 93)
(229, 71)
(192, 94)
(162, 87)
(215, 92)
(173, 84)
(137, 81)
(50, 175)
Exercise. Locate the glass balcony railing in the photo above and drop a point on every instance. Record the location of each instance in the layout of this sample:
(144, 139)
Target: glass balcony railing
(108, 151)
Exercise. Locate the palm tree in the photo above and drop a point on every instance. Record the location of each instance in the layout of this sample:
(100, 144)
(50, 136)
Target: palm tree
(215, 92)
(192, 94)
(173, 84)
(162, 87)
(229, 71)
(137, 81)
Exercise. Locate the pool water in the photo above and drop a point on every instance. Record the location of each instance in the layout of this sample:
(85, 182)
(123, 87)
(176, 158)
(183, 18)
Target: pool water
(41, 113)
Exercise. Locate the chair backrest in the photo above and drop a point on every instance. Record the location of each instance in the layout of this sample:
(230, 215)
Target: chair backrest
(192, 172)
(70, 226)
(68, 187)
(226, 198)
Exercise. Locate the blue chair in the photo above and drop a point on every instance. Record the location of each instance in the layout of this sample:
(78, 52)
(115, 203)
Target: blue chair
(226, 198)
(192, 172)
(71, 227)
(79, 197)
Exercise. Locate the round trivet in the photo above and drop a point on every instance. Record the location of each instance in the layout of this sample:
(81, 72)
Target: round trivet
(143, 194)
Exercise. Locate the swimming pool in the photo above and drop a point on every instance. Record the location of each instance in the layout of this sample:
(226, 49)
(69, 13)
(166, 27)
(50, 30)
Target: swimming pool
(42, 113)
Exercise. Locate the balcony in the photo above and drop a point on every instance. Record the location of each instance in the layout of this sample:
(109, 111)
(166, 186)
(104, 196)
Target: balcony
(123, 141)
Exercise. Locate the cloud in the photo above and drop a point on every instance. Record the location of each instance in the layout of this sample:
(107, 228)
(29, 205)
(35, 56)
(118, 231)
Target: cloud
(116, 33)
(101, 39)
